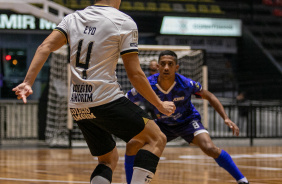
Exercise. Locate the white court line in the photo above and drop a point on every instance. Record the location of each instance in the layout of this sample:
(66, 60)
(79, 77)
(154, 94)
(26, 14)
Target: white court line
(184, 161)
(50, 181)
(234, 156)
(211, 164)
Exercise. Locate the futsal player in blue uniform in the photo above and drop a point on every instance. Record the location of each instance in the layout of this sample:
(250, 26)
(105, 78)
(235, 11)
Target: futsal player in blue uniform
(185, 122)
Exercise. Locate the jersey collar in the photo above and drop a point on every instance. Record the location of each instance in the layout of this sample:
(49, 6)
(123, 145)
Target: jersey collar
(168, 91)
(154, 81)
(178, 79)
(101, 5)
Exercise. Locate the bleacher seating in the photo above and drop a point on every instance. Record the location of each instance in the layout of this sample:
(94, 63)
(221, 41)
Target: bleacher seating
(191, 8)
(260, 59)
(202, 8)
(215, 9)
(152, 6)
(267, 2)
(139, 6)
(59, 2)
(272, 2)
(126, 5)
(277, 12)
(165, 7)
(201, 1)
(278, 2)
(177, 7)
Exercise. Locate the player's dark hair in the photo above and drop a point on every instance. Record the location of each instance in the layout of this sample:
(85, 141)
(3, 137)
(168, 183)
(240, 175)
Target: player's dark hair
(170, 53)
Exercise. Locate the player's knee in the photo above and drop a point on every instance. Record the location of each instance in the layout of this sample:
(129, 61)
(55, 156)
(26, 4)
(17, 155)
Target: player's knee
(211, 150)
(133, 146)
(162, 140)
(115, 159)
(110, 160)
(158, 140)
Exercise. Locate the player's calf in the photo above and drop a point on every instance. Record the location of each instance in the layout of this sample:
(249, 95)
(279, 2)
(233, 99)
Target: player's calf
(225, 161)
(102, 175)
(132, 148)
(145, 165)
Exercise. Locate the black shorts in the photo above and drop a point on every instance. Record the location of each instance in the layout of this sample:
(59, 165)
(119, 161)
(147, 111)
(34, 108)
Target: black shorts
(121, 118)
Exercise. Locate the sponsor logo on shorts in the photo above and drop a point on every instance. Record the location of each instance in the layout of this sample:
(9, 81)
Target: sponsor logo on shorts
(82, 113)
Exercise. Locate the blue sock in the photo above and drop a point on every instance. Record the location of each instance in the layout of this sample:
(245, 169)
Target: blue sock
(225, 161)
(128, 165)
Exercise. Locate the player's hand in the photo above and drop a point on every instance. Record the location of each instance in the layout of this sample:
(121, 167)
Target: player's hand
(22, 91)
(233, 126)
(167, 108)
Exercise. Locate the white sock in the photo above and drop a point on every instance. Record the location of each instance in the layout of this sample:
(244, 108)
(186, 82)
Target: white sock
(99, 180)
(141, 176)
(243, 180)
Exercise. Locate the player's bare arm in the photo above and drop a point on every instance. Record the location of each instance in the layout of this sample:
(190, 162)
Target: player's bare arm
(215, 103)
(53, 42)
(141, 84)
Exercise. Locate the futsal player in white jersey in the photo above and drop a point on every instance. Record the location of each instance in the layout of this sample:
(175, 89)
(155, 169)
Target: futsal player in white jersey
(97, 36)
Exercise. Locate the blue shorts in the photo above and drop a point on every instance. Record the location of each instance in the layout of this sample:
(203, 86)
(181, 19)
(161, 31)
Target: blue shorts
(187, 130)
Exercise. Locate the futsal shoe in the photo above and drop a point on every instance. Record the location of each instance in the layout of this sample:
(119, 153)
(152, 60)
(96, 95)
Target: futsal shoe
(243, 183)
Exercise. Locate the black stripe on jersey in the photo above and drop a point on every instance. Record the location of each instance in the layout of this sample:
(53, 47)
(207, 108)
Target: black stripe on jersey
(129, 51)
(62, 31)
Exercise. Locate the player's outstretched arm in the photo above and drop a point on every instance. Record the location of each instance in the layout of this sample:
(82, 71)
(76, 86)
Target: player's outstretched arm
(53, 42)
(142, 85)
(216, 104)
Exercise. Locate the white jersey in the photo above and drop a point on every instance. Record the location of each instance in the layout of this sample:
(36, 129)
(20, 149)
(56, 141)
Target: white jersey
(97, 36)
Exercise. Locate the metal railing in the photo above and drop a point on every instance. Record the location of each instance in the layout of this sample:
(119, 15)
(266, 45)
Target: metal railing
(19, 121)
(255, 120)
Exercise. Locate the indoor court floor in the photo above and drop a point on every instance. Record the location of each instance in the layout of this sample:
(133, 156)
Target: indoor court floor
(178, 165)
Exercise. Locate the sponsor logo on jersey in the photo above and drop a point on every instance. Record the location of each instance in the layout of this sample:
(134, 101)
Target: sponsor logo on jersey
(82, 93)
(133, 45)
(133, 91)
(84, 88)
(175, 117)
(197, 85)
(81, 97)
(82, 113)
(158, 116)
(178, 99)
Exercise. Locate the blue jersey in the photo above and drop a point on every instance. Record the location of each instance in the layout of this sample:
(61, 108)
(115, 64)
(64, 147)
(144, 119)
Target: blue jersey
(180, 93)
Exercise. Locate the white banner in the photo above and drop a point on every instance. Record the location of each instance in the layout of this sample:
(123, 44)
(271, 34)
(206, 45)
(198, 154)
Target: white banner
(201, 26)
